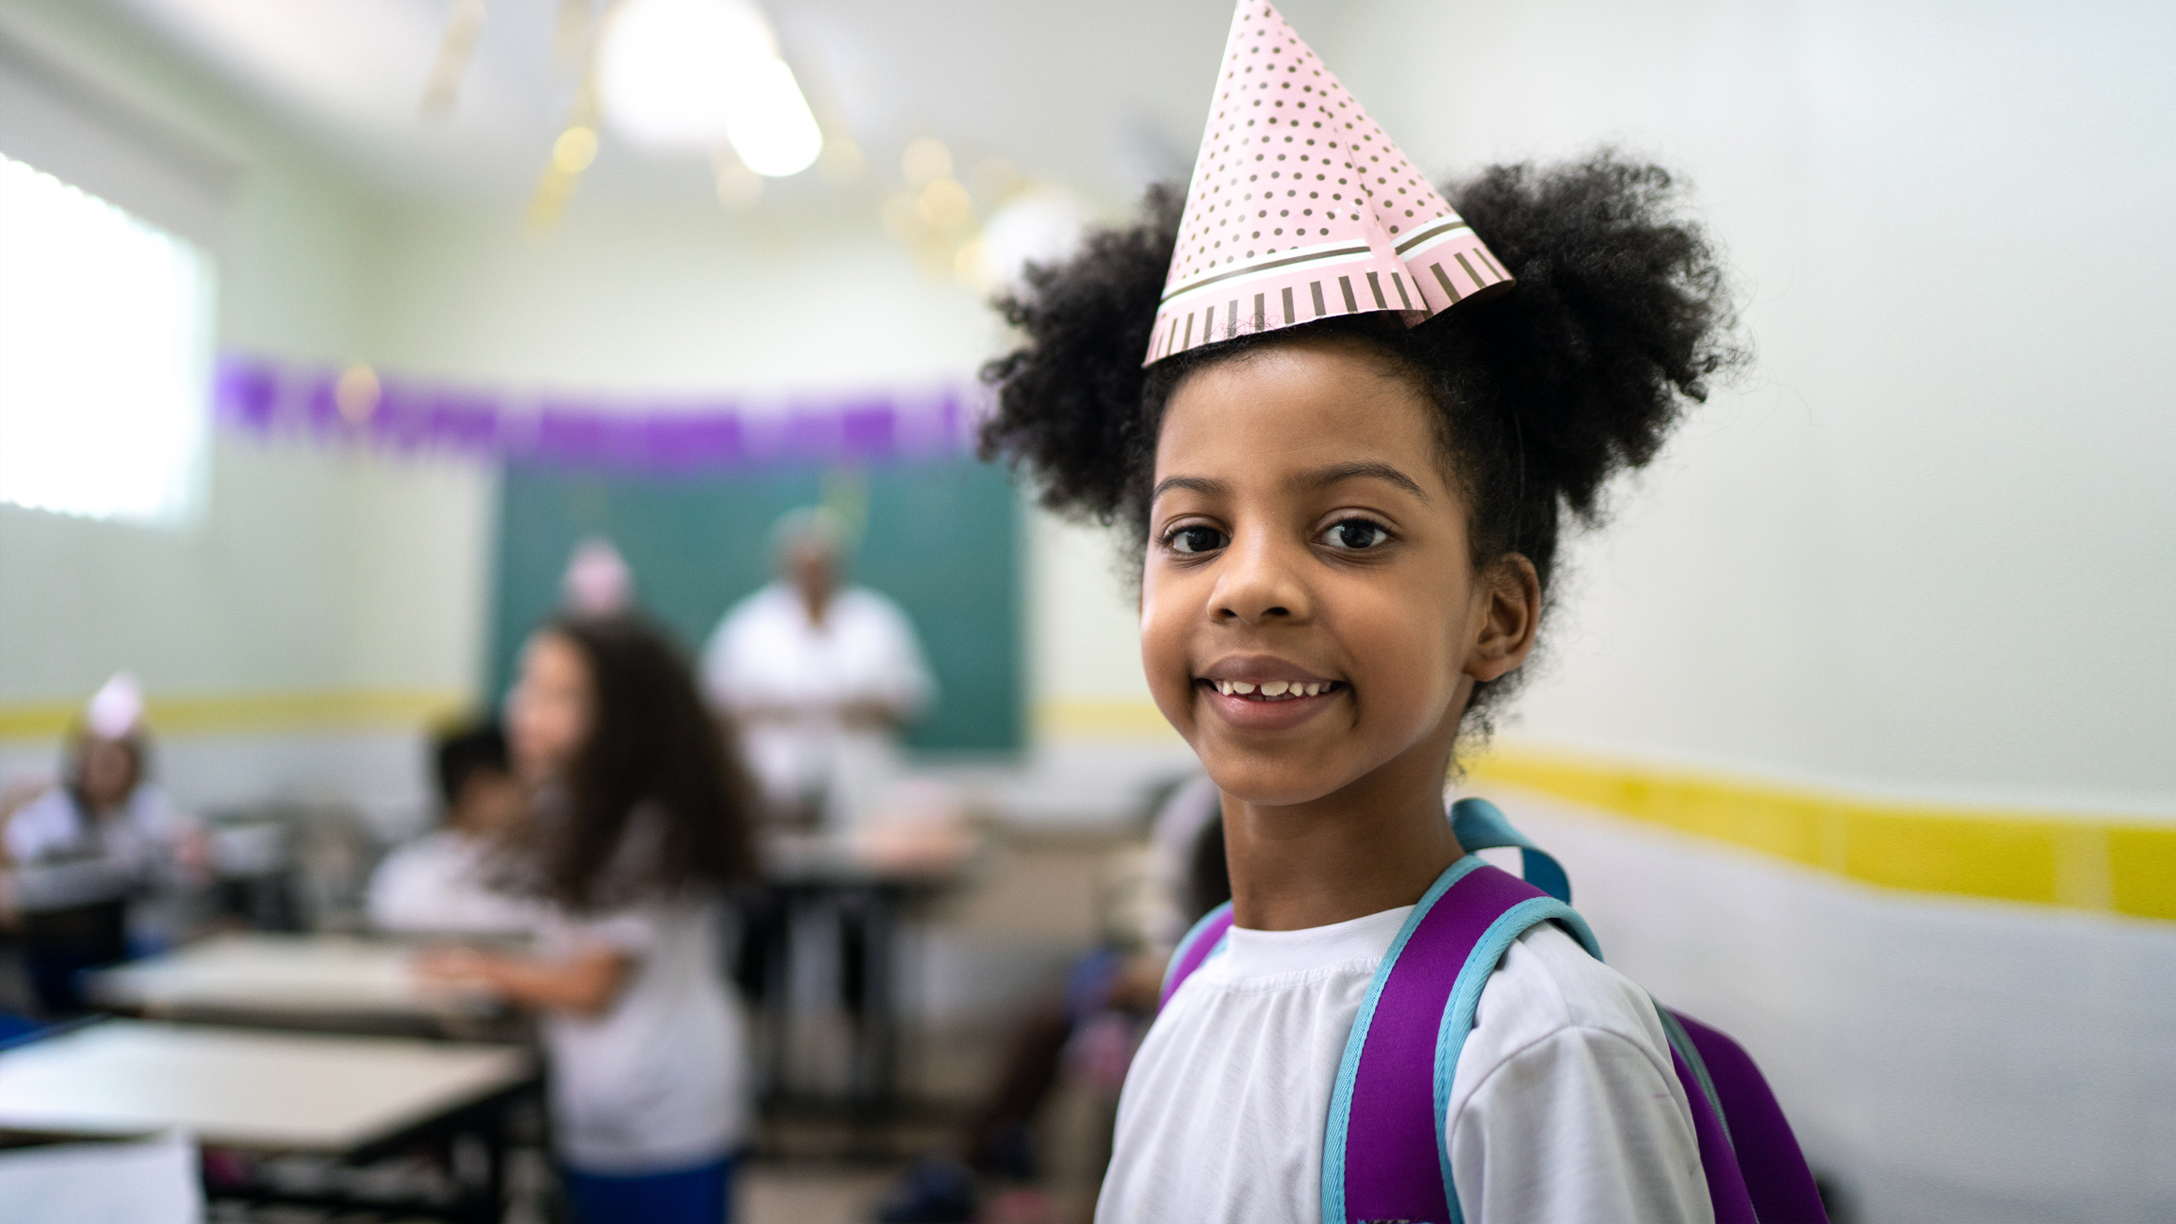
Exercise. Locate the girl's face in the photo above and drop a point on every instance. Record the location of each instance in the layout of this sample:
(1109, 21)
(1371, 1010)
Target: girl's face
(106, 771)
(1310, 616)
(548, 715)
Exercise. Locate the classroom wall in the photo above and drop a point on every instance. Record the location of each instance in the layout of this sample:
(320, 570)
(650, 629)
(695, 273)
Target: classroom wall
(342, 596)
(630, 299)
(1924, 549)
(321, 604)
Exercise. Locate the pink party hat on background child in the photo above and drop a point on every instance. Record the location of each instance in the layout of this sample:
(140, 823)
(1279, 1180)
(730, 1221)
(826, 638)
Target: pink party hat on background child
(116, 710)
(597, 581)
(1302, 208)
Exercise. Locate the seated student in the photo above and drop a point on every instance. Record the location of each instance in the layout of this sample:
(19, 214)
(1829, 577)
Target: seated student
(1179, 876)
(438, 882)
(78, 856)
(638, 817)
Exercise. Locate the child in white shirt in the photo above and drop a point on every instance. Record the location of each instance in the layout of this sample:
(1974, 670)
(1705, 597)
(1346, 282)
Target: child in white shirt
(1347, 489)
(439, 882)
(76, 859)
(638, 817)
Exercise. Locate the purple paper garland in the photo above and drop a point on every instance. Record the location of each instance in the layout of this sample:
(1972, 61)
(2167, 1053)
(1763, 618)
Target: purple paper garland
(259, 396)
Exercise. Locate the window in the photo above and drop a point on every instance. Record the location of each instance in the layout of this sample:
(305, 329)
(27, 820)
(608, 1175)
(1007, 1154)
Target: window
(105, 342)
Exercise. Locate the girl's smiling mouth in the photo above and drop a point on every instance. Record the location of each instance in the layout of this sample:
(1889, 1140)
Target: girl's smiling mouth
(1263, 694)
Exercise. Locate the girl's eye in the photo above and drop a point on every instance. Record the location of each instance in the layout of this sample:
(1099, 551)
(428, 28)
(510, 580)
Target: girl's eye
(1357, 534)
(1194, 540)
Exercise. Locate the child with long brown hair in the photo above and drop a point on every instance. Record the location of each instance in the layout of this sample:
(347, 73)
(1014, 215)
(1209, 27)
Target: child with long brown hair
(639, 818)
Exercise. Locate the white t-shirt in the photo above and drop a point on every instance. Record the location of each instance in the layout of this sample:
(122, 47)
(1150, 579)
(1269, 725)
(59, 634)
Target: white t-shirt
(660, 1081)
(64, 857)
(766, 654)
(437, 883)
(1564, 1106)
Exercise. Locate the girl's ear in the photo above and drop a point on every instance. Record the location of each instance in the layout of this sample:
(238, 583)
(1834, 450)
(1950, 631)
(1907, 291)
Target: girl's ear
(1510, 607)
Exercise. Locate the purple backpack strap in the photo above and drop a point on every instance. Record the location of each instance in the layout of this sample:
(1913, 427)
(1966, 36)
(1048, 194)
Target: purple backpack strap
(1765, 1152)
(1726, 1182)
(1194, 947)
(1384, 1146)
(1385, 1153)
(1384, 1150)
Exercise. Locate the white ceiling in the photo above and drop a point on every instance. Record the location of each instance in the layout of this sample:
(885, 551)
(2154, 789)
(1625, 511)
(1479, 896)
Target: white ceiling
(1102, 96)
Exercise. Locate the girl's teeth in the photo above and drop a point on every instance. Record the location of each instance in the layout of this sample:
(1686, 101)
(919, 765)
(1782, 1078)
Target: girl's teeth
(1272, 688)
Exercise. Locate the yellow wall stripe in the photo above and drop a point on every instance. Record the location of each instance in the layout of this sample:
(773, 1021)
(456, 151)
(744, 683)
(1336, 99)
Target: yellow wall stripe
(1121, 720)
(231, 713)
(2077, 862)
(2041, 858)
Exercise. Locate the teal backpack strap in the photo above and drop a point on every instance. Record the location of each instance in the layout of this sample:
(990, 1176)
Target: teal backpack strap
(1341, 1149)
(1457, 1025)
(1195, 947)
(1479, 825)
(1681, 1042)
(1385, 1150)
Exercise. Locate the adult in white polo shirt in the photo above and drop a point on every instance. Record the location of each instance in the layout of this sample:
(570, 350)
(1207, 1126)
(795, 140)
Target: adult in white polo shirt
(820, 677)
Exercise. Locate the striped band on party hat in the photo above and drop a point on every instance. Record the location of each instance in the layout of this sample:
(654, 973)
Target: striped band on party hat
(1301, 208)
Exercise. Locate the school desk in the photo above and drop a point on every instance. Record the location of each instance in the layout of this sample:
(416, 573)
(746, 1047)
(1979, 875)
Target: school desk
(326, 982)
(252, 1097)
(862, 884)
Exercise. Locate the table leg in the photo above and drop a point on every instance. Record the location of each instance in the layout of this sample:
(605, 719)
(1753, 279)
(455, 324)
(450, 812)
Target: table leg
(876, 1059)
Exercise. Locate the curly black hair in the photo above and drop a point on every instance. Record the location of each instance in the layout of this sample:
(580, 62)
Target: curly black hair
(1620, 313)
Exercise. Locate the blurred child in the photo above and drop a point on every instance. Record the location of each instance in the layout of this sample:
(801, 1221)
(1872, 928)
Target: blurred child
(1092, 1024)
(637, 819)
(78, 856)
(439, 882)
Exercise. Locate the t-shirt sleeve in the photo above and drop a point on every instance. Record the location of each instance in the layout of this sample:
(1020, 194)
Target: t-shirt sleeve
(902, 673)
(1580, 1125)
(38, 826)
(632, 931)
(720, 668)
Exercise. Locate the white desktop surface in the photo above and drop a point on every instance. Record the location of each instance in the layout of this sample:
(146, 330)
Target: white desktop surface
(242, 1087)
(283, 973)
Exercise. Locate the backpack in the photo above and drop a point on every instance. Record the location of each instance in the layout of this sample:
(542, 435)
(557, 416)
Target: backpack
(1384, 1153)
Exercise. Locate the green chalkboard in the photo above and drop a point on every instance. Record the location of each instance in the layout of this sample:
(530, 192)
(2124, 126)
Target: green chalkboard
(941, 537)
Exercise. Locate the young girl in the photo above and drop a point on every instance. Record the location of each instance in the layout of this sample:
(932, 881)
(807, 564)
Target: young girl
(78, 857)
(638, 816)
(1348, 488)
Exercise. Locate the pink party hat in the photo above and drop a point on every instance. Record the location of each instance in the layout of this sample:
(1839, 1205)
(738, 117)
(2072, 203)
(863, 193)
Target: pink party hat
(597, 581)
(116, 710)
(1301, 208)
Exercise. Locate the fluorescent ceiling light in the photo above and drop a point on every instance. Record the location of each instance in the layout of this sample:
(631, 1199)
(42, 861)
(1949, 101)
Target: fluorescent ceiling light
(683, 75)
(769, 122)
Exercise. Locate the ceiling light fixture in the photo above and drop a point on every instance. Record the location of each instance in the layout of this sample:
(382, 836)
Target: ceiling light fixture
(684, 75)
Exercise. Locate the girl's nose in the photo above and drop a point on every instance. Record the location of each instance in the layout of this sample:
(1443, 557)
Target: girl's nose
(1258, 582)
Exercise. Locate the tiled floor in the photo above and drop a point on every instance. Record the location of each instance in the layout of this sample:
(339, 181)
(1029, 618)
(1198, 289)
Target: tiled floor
(810, 1195)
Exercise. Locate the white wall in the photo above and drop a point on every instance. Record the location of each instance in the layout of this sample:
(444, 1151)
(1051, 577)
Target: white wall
(634, 297)
(307, 571)
(1926, 550)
